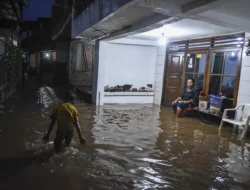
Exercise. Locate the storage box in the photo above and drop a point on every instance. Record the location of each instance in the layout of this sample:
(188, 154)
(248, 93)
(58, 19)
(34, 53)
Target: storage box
(214, 110)
(216, 101)
(203, 105)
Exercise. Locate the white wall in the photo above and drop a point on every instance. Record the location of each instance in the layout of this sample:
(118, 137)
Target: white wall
(130, 64)
(128, 99)
(138, 65)
(244, 88)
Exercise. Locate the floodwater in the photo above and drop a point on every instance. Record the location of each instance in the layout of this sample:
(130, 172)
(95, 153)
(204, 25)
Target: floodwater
(129, 147)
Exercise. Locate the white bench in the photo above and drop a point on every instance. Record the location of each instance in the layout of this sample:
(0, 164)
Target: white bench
(242, 118)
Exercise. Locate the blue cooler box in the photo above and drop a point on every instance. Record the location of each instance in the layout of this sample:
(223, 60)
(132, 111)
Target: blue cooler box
(216, 101)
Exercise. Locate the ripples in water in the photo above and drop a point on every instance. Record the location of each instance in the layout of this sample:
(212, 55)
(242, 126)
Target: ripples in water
(130, 147)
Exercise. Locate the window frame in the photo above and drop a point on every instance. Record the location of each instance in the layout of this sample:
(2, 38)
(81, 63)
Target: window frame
(207, 74)
(237, 76)
(194, 72)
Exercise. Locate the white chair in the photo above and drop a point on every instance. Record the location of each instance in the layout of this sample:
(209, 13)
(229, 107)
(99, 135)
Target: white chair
(242, 117)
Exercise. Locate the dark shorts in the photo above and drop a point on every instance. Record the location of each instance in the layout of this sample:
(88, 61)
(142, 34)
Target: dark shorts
(63, 136)
(181, 105)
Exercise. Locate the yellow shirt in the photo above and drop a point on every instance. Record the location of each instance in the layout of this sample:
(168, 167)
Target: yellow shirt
(65, 114)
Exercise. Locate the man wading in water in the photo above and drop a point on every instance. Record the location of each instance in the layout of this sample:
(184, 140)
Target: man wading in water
(66, 116)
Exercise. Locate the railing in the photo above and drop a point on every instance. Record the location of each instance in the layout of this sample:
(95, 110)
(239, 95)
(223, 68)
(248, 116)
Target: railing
(62, 16)
(80, 6)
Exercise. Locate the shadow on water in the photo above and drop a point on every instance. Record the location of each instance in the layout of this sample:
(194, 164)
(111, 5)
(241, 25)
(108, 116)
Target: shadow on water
(12, 165)
(130, 147)
(14, 173)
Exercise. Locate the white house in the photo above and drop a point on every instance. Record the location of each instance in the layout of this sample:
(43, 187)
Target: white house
(162, 43)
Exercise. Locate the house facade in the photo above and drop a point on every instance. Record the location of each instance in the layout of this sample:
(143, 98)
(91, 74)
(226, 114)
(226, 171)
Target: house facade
(76, 54)
(213, 33)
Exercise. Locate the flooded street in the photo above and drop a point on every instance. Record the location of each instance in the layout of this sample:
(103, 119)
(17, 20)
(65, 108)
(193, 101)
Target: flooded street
(129, 147)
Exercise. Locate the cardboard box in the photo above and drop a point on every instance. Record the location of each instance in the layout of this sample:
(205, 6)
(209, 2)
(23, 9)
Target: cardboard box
(204, 98)
(203, 105)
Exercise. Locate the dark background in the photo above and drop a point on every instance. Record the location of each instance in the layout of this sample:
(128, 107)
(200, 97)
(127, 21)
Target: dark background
(38, 8)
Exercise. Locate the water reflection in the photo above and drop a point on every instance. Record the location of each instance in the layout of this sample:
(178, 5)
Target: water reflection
(130, 147)
(46, 96)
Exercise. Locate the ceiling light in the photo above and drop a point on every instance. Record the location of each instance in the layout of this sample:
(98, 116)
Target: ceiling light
(171, 31)
(47, 55)
(163, 40)
(168, 31)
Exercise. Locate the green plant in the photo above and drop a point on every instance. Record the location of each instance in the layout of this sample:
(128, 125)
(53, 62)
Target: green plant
(13, 59)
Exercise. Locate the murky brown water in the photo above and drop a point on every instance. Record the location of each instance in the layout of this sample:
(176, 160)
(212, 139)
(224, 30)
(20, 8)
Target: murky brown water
(130, 147)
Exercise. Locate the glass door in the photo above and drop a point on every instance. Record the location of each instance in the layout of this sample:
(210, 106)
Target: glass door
(195, 67)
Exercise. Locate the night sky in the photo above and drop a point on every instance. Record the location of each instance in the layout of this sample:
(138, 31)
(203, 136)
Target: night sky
(38, 8)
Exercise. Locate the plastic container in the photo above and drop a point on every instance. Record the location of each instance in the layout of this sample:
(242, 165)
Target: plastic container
(216, 101)
(214, 110)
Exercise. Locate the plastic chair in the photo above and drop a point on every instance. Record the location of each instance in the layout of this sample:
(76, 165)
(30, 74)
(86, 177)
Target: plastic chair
(191, 107)
(242, 118)
(185, 110)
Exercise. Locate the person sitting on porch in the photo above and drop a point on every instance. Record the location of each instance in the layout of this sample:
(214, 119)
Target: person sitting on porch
(189, 98)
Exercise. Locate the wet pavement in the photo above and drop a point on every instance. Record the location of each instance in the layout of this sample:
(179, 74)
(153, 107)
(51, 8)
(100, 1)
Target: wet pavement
(130, 147)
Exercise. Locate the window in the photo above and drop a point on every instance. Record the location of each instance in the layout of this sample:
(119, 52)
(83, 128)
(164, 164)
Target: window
(223, 73)
(195, 68)
(217, 76)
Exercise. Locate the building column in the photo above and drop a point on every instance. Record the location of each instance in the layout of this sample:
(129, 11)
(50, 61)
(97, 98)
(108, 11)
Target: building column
(99, 73)
(244, 87)
(159, 74)
(95, 73)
